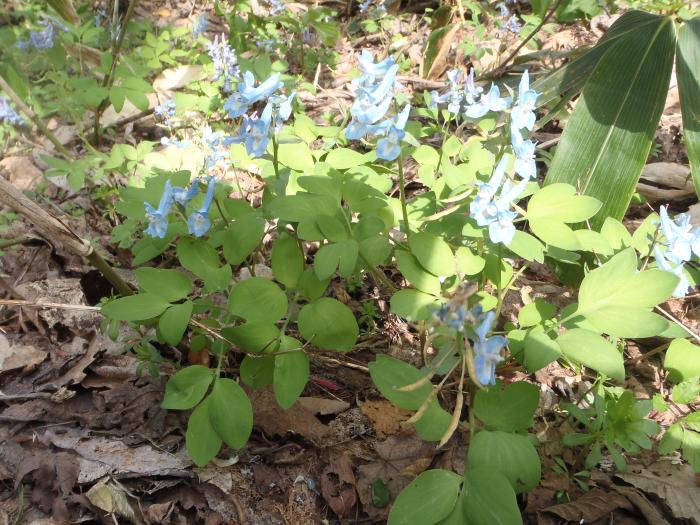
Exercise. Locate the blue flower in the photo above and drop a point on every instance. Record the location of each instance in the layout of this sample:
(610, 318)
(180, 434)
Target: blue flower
(43, 39)
(524, 156)
(368, 67)
(491, 101)
(198, 222)
(158, 218)
(200, 25)
(238, 103)
(277, 6)
(8, 113)
(679, 238)
(255, 132)
(487, 350)
(281, 106)
(166, 141)
(183, 196)
(165, 111)
(522, 115)
(389, 147)
(472, 92)
(224, 59)
(503, 11)
(675, 268)
(454, 97)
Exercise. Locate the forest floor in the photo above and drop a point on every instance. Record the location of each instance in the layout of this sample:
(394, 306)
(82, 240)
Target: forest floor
(83, 437)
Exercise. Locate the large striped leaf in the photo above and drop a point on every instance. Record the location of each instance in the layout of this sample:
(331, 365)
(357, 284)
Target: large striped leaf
(688, 72)
(608, 137)
(568, 80)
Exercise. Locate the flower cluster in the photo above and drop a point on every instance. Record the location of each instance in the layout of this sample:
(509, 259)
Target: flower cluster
(680, 242)
(470, 100)
(165, 111)
(492, 205)
(198, 222)
(225, 62)
(276, 7)
(256, 130)
(507, 20)
(200, 25)
(43, 39)
(374, 94)
(487, 350)
(8, 113)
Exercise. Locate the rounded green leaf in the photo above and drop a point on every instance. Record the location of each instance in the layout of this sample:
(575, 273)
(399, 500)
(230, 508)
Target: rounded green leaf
(287, 260)
(389, 373)
(187, 387)
(310, 286)
(258, 300)
(588, 348)
(202, 441)
(137, 307)
(511, 408)
(512, 455)
(427, 499)
(242, 237)
(489, 499)
(170, 285)
(257, 371)
(291, 372)
(682, 360)
(416, 274)
(414, 305)
(254, 337)
(433, 253)
(230, 413)
(328, 324)
(434, 422)
(173, 323)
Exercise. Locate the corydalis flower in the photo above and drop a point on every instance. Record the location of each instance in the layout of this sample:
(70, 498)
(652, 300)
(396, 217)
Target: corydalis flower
(490, 101)
(676, 269)
(680, 239)
(454, 97)
(8, 113)
(200, 25)
(487, 350)
(224, 59)
(198, 223)
(524, 156)
(165, 111)
(248, 94)
(158, 217)
(183, 196)
(389, 147)
(276, 7)
(491, 206)
(523, 113)
(43, 39)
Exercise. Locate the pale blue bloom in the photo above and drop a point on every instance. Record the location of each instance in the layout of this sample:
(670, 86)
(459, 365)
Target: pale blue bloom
(238, 103)
(487, 350)
(166, 141)
(43, 39)
(200, 25)
(212, 143)
(281, 107)
(158, 218)
(368, 67)
(255, 132)
(680, 239)
(491, 101)
(277, 6)
(224, 60)
(512, 25)
(524, 156)
(364, 5)
(675, 268)
(183, 196)
(503, 11)
(8, 113)
(389, 147)
(523, 115)
(165, 111)
(198, 223)
(472, 92)
(454, 96)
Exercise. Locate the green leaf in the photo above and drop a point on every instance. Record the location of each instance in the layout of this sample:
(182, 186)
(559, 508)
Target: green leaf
(509, 409)
(170, 285)
(489, 499)
(433, 423)
(375, 250)
(296, 156)
(340, 255)
(536, 312)
(687, 391)
(187, 387)
(527, 247)
(615, 298)
(389, 373)
(201, 258)
(691, 449)
(539, 351)
(682, 360)
(287, 260)
(344, 158)
(433, 253)
(173, 323)
(329, 324)
(468, 262)
(254, 337)
(619, 110)
(137, 307)
(230, 413)
(414, 305)
(427, 499)
(202, 441)
(592, 350)
(258, 300)
(310, 286)
(257, 371)
(688, 73)
(242, 237)
(291, 372)
(415, 274)
(512, 455)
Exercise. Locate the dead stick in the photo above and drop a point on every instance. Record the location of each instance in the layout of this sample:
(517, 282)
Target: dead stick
(41, 304)
(57, 231)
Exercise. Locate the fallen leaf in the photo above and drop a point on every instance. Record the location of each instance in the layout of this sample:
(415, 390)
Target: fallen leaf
(111, 499)
(177, 77)
(13, 357)
(592, 506)
(386, 417)
(321, 406)
(22, 173)
(338, 485)
(674, 484)
(665, 181)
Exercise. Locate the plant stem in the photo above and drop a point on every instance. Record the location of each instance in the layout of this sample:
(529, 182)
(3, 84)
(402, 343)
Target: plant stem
(34, 118)
(402, 196)
(108, 80)
(379, 275)
(275, 160)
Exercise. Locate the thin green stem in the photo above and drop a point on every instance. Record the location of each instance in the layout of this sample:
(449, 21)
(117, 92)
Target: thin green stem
(275, 159)
(402, 195)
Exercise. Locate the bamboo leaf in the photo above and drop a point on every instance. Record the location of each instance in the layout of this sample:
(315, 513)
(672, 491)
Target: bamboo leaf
(608, 138)
(688, 72)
